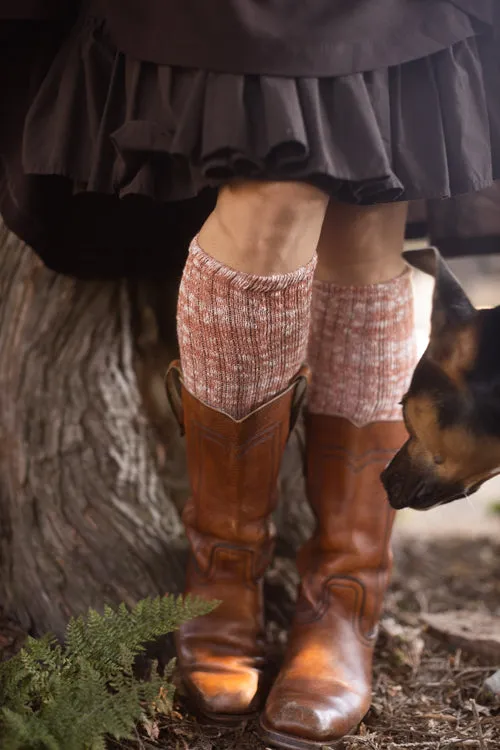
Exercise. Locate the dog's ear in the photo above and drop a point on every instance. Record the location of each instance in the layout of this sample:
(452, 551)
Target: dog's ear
(451, 308)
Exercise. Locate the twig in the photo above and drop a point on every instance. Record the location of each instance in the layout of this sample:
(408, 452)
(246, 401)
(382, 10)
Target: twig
(418, 745)
(440, 717)
(471, 670)
(482, 743)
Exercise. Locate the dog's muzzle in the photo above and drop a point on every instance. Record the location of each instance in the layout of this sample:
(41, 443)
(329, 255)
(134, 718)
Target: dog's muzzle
(408, 486)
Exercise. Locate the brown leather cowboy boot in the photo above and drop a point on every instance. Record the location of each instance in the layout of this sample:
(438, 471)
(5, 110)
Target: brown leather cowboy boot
(233, 467)
(324, 688)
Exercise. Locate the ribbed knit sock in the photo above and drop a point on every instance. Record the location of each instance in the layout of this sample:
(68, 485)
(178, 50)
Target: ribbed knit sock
(362, 349)
(242, 337)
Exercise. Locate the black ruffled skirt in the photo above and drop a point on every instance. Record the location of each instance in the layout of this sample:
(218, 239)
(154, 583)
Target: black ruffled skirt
(460, 226)
(117, 161)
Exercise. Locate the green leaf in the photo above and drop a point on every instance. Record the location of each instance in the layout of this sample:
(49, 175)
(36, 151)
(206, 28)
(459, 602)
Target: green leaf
(72, 697)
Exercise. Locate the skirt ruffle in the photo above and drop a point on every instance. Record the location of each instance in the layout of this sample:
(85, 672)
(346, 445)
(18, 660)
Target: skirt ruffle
(429, 128)
(461, 226)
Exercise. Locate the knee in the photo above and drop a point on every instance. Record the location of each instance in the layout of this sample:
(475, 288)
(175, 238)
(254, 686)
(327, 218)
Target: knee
(265, 227)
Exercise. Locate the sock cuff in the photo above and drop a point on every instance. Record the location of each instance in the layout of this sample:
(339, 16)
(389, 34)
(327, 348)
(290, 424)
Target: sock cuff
(399, 286)
(246, 281)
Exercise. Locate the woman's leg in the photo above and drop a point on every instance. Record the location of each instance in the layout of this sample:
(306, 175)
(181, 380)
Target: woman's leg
(243, 323)
(246, 292)
(361, 346)
(362, 353)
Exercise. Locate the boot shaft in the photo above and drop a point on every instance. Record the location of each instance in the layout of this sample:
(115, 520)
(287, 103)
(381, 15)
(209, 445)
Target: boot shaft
(344, 463)
(345, 567)
(233, 469)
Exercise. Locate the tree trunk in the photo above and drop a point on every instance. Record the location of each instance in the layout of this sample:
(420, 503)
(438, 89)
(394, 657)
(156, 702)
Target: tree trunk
(87, 511)
(92, 472)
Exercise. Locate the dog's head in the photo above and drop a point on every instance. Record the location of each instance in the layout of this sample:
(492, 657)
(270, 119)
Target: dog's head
(452, 408)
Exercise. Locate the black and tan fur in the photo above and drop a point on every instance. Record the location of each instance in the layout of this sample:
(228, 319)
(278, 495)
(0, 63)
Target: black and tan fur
(452, 408)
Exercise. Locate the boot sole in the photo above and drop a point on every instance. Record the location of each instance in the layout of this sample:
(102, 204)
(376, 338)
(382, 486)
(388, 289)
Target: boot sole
(288, 742)
(226, 720)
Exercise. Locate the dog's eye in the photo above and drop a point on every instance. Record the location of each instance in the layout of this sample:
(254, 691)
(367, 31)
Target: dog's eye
(438, 460)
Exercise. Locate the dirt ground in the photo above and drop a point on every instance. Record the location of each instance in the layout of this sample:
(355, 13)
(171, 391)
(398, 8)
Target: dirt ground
(425, 694)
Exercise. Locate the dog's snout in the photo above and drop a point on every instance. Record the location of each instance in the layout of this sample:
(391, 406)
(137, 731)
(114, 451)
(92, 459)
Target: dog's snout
(386, 480)
(394, 486)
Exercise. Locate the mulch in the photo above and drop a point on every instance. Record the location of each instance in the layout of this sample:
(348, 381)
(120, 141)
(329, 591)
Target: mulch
(426, 694)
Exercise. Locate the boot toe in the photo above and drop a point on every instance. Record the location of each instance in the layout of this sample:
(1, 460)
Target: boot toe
(220, 692)
(308, 716)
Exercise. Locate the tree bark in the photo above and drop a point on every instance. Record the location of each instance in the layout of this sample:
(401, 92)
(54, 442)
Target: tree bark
(87, 512)
(92, 471)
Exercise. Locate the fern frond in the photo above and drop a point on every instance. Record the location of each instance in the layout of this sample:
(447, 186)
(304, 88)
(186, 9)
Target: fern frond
(20, 732)
(71, 697)
(112, 640)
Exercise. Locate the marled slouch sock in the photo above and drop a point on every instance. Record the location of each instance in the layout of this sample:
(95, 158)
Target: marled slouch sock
(362, 349)
(242, 337)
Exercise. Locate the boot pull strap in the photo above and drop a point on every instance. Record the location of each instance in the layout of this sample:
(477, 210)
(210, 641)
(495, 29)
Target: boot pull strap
(173, 387)
(300, 389)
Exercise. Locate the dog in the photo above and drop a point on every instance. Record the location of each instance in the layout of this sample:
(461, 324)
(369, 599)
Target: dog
(452, 407)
